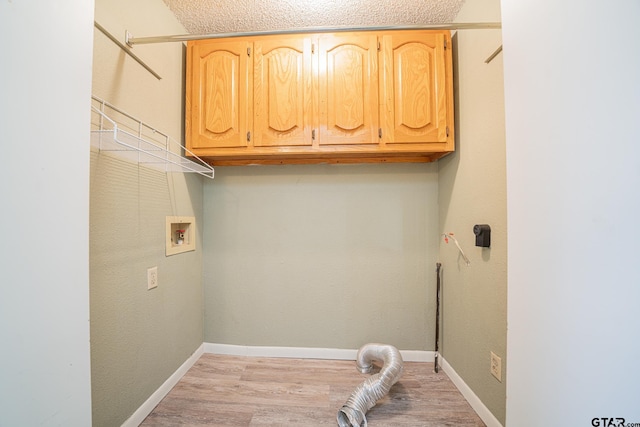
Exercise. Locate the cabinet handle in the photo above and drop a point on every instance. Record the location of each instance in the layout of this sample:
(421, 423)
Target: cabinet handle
(380, 133)
(248, 136)
(313, 134)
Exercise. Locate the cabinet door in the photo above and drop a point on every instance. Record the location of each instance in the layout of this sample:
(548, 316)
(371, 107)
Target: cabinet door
(348, 88)
(282, 91)
(218, 94)
(415, 91)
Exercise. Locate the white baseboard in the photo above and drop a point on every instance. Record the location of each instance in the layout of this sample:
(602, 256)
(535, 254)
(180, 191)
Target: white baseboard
(483, 412)
(143, 411)
(307, 352)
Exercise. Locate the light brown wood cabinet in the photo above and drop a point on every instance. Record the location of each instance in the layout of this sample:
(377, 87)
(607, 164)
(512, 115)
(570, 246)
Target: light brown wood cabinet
(282, 84)
(345, 97)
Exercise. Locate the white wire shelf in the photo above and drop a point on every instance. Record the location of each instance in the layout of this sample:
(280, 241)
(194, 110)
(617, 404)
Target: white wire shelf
(114, 131)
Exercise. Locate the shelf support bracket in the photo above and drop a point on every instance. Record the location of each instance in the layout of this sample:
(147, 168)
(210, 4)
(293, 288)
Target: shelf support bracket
(493, 55)
(126, 49)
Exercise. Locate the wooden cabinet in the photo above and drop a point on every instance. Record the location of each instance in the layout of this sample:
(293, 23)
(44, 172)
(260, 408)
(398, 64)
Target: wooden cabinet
(283, 103)
(218, 95)
(348, 89)
(417, 106)
(320, 98)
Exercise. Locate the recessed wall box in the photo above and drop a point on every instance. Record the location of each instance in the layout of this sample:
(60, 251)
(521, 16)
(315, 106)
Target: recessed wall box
(181, 234)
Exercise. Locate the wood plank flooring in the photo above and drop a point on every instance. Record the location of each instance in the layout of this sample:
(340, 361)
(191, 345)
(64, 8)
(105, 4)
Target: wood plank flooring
(254, 391)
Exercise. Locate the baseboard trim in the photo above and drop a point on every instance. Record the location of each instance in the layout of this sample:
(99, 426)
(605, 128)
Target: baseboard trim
(306, 352)
(483, 412)
(143, 411)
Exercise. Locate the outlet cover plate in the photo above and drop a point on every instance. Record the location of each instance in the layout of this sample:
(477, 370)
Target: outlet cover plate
(496, 366)
(152, 277)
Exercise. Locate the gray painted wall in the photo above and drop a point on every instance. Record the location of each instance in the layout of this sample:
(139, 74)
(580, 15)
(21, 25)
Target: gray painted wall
(472, 190)
(572, 97)
(45, 82)
(139, 337)
(321, 256)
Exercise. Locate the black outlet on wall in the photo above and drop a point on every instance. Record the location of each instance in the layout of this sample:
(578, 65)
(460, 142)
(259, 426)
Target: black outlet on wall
(483, 235)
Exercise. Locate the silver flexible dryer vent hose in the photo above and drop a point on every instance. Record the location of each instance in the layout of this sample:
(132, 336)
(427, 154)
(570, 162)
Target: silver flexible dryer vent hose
(374, 388)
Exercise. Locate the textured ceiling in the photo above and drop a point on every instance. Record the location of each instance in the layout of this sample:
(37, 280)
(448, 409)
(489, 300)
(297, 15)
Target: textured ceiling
(228, 16)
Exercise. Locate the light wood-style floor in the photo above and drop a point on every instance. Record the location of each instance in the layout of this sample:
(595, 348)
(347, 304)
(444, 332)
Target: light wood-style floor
(254, 391)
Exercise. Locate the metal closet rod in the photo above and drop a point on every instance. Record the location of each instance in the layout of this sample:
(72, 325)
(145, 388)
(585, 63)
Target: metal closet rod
(131, 41)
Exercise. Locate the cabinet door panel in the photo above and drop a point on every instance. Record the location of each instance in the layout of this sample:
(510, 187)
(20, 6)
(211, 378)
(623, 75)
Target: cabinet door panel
(415, 88)
(282, 91)
(220, 94)
(348, 89)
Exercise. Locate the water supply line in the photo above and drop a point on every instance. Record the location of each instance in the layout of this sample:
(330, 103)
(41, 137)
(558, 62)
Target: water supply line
(374, 388)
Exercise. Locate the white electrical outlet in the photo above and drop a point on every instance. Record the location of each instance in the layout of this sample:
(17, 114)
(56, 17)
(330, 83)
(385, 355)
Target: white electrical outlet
(496, 366)
(152, 277)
